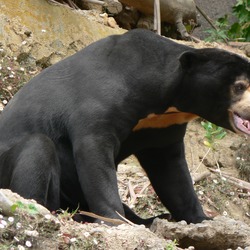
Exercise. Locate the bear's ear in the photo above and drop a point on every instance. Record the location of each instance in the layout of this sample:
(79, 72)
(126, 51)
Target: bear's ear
(192, 59)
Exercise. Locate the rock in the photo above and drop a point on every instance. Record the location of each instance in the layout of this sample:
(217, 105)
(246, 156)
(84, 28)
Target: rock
(64, 231)
(247, 50)
(39, 32)
(8, 198)
(112, 23)
(113, 6)
(218, 234)
(5, 204)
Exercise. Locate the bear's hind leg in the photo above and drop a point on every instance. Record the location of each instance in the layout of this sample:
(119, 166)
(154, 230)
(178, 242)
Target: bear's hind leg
(31, 168)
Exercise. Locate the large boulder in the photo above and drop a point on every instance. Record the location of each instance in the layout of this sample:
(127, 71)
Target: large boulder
(43, 33)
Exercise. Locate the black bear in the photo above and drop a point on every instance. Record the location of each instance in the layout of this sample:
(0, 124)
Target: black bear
(64, 132)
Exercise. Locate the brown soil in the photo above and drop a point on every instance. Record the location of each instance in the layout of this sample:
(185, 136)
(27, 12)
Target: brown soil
(216, 191)
(217, 194)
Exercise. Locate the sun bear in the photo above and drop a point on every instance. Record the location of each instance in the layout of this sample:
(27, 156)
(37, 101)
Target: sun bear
(64, 133)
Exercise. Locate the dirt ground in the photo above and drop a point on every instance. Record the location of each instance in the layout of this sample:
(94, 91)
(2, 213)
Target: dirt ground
(218, 182)
(217, 194)
(219, 197)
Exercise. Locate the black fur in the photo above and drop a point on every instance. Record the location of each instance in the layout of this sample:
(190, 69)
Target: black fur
(73, 123)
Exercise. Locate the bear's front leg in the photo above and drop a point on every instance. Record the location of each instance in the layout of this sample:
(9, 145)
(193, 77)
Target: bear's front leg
(168, 172)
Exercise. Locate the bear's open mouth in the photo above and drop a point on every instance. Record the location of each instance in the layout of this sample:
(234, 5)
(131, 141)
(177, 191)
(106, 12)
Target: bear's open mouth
(242, 124)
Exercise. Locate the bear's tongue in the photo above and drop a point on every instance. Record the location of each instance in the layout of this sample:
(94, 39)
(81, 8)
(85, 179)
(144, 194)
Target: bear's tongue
(242, 124)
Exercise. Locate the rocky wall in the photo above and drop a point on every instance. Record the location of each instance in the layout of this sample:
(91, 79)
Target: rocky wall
(38, 32)
(214, 9)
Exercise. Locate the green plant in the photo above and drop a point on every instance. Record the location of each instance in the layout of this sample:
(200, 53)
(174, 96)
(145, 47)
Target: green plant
(220, 34)
(66, 215)
(30, 208)
(172, 245)
(213, 134)
(239, 31)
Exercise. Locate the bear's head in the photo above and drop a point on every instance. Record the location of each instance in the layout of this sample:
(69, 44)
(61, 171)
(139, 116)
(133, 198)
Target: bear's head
(216, 86)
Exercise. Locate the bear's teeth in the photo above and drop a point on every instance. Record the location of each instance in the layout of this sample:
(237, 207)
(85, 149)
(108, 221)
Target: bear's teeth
(246, 123)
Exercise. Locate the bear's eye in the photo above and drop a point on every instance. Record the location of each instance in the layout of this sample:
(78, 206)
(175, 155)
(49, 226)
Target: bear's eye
(239, 87)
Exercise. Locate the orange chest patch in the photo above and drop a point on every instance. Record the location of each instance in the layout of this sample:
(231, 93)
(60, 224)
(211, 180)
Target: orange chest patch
(164, 120)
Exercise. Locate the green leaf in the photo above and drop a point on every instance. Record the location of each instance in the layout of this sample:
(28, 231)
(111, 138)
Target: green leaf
(208, 144)
(14, 207)
(32, 209)
(20, 204)
(221, 135)
(204, 125)
(222, 21)
(234, 31)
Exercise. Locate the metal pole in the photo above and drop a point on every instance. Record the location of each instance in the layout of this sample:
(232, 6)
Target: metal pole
(157, 17)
